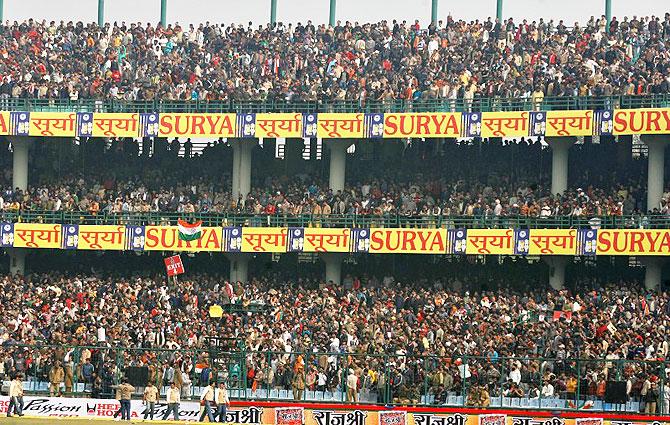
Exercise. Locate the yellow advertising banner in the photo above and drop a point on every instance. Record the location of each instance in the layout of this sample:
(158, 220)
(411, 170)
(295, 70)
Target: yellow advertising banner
(490, 241)
(569, 123)
(115, 125)
(32, 235)
(408, 241)
(279, 125)
(94, 237)
(197, 125)
(503, 124)
(641, 121)
(339, 126)
(326, 240)
(166, 238)
(4, 123)
(53, 124)
(633, 242)
(264, 239)
(552, 242)
(422, 124)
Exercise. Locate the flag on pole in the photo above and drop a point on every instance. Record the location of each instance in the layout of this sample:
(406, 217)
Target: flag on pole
(189, 231)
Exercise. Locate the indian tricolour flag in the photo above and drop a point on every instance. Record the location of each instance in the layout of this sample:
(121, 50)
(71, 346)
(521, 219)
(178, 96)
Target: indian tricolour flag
(190, 231)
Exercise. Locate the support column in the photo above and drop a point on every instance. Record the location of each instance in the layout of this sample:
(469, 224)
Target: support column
(17, 261)
(333, 263)
(2, 10)
(21, 148)
(433, 12)
(331, 17)
(101, 13)
(556, 270)
(608, 14)
(338, 163)
(655, 168)
(239, 267)
(273, 12)
(242, 149)
(164, 13)
(653, 273)
(499, 11)
(560, 148)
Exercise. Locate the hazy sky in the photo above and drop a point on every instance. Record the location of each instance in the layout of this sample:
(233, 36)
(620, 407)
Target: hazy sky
(258, 11)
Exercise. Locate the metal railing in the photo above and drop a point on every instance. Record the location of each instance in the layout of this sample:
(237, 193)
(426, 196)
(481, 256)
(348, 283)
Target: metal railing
(478, 104)
(338, 220)
(514, 382)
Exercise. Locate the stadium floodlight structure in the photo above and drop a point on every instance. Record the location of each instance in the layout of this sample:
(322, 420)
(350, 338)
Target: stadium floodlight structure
(273, 12)
(101, 13)
(163, 13)
(331, 15)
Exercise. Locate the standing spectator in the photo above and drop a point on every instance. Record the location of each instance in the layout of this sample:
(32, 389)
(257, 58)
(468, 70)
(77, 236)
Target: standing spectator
(298, 383)
(126, 394)
(222, 401)
(173, 399)
(352, 386)
(150, 399)
(56, 377)
(15, 397)
(207, 400)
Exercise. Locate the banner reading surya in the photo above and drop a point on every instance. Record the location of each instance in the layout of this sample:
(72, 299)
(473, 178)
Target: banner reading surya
(408, 241)
(326, 240)
(53, 124)
(197, 125)
(490, 241)
(4, 123)
(569, 123)
(339, 126)
(115, 125)
(166, 238)
(501, 124)
(642, 121)
(279, 125)
(633, 242)
(552, 241)
(102, 237)
(439, 124)
(30, 235)
(264, 239)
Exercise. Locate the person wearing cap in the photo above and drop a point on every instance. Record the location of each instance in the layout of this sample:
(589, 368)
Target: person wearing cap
(15, 397)
(150, 399)
(207, 399)
(222, 401)
(173, 399)
(126, 391)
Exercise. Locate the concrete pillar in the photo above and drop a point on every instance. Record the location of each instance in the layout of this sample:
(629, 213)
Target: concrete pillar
(17, 261)
(560, 148)
(21, 147)
(333, 263)
(338, 163)
(655, 168)
(242, 149)
(557, 265)
(239, 267)
(653, 273)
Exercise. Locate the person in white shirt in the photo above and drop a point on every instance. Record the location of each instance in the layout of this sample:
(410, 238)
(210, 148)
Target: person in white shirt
(207, 399)
(352, 386)
(547, 390)
(15, 397)
(173, 399)
(222, 401)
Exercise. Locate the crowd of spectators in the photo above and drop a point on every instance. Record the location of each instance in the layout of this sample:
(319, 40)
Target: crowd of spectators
(399, 339)
(350, 61)
(422, 185)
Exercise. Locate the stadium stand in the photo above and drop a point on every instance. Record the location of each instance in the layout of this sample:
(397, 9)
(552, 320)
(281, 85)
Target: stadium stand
(525, 330)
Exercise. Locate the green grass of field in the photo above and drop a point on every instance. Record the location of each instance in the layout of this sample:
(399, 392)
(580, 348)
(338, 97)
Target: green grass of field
(70, 421)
